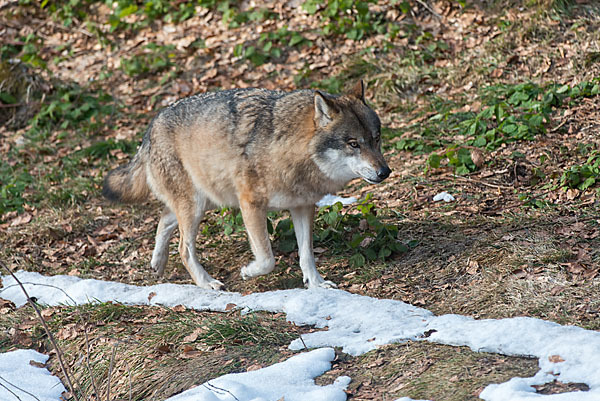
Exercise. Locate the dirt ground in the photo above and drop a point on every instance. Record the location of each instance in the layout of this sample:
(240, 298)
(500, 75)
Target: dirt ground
(521, 237)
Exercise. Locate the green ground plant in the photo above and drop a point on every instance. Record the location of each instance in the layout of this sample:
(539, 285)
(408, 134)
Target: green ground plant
(154, 59)
(270, 46)
(509, 113)
(69, 114)
(583, 176)
(357, 230)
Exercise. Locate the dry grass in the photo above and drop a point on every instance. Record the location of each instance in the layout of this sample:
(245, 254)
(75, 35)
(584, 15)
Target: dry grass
(421, 370)
(485, 255)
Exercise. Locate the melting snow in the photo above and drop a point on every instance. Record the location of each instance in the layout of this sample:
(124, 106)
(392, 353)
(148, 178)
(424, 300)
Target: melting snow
(22, 380)
(356, 323)
(329, 200)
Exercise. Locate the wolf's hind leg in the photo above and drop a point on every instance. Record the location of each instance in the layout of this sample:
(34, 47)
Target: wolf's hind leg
(303, 225)
(160, 255)
(255, 220)
(189, 213)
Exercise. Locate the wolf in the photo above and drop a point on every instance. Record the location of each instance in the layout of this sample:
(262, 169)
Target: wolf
(256, 150)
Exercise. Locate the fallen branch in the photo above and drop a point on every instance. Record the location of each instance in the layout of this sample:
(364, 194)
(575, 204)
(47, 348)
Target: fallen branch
(48, 332)
(110, 368)
(87, 363)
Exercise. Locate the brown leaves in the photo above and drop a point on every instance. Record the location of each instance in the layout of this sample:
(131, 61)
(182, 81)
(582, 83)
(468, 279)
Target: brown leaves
(70, 331)
(193, 336)
(21, 219)
(555, 359)
(472, 267)
(6, 306)
(190, 352)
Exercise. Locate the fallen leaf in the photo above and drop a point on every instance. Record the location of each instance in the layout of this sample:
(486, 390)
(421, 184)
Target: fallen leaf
(251, 368)
(20, 220)
(193, 336)
(192, 353)
(164, 348)
(37, 364)
(472, 267)
(555, 359)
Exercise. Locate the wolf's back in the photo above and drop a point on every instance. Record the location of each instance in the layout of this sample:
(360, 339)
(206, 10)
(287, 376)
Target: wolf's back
(128, 183)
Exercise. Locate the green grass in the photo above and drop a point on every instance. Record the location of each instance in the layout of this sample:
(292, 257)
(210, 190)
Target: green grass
(154, 59)
(508, 113)
(62, 150)
(152, 346)
(251, 329)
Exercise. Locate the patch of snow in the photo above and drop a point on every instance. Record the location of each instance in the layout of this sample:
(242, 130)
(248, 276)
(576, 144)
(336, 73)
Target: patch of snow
(359, 324)
(292, 380)
(329, 200)
(568, 353)
(443, 196)
(408, 399)
(356, 323)
(20, 380)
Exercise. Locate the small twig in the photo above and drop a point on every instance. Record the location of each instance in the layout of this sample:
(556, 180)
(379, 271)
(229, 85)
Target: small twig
(87, 360)
(48, 332)
(480, 182)
(110, 368)
(18, 388)
(563, 122)
(303, 343)
(129, 377)
(208, 385)
(428, 7)
(40, 284)
(7, 106)
(12, 392)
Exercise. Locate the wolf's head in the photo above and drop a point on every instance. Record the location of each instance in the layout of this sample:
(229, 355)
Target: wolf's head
(348, 137)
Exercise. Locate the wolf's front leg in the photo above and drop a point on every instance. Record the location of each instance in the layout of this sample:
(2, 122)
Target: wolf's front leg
(303, 226)
(255, 220)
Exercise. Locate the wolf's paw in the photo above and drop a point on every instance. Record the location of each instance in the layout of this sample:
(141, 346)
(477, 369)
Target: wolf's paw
(256, 268)
(328, 284)
(158, 266)
(215, 285)
(211, 284)
(319, 284)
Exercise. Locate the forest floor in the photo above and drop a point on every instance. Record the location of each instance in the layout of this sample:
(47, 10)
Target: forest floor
(495, 103)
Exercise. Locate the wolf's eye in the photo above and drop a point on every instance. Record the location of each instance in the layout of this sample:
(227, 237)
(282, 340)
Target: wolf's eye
(353, 143)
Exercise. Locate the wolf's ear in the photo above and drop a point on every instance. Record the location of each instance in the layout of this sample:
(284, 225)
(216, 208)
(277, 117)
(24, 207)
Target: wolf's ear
(358, 91)
(325, 109)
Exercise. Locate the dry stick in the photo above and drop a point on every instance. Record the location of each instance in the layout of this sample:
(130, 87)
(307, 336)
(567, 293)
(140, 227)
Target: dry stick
(110, 368)
(87, 360)
(129, 377)
(468, 179)
(12, 392)
(42, 285)
(18, 388)
(211, 387)
(428, 7)
(48, 332)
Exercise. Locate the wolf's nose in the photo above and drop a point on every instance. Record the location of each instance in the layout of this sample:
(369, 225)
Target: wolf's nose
(384, 172)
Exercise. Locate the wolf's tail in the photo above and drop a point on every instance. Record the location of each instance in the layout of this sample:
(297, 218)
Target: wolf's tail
(128, 183)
